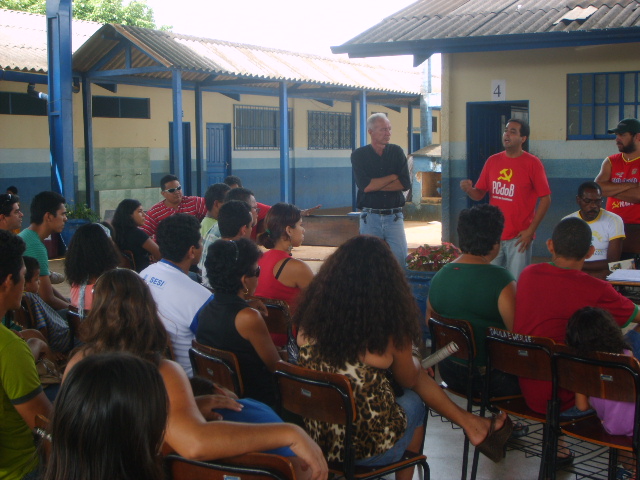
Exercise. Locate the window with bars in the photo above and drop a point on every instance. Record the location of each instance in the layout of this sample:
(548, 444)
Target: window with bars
(258, 128)
(14, 103)
(329, 131)
(598, 101)
(120, 107)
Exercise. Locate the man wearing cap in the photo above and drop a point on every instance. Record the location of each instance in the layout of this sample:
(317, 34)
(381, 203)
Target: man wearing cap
(619, 178)
(381, 174)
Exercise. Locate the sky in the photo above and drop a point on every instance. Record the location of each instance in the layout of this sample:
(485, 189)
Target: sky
(297, 25)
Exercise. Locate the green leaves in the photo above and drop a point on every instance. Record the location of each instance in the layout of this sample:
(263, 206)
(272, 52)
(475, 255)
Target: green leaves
(136, 13)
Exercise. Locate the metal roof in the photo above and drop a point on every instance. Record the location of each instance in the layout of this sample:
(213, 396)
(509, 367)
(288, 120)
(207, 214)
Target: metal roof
(23, 40)
(216, 63)
(428, 26)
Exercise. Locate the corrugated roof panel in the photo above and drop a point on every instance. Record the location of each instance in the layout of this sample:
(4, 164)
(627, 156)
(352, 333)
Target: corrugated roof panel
(23, 40)
(218, 57)
(440, 19)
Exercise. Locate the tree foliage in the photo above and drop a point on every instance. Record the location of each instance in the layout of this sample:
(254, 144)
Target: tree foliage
(136, 12)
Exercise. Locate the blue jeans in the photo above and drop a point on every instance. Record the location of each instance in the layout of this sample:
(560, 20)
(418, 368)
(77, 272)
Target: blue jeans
(415, 410)
(632, 337)
(510, 258)
(390, 228)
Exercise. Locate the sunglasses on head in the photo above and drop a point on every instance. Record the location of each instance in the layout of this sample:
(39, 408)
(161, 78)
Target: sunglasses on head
(174, 190)
(5, 198)
(257, 272)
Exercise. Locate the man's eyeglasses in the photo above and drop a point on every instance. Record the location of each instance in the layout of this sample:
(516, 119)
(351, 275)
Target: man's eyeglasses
(256, 209)
(174, 190)
(591, 201)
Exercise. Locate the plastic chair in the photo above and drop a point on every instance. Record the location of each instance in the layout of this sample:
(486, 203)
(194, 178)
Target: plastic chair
(74, 319)
(219, 366)
(251, 466)
(327, 397)
(446, 330)
(602, 375)
(278, 321)
(523, 356)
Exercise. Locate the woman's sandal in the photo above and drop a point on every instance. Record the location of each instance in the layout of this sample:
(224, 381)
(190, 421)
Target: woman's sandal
(493, 444)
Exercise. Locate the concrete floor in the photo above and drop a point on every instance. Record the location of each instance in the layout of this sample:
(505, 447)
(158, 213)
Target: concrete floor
(443, 445)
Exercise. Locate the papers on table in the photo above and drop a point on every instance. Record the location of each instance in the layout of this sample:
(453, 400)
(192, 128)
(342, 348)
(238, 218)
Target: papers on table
(622, 275)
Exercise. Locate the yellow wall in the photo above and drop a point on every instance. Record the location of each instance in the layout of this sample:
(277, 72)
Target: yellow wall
(470, 76)
(23, 131)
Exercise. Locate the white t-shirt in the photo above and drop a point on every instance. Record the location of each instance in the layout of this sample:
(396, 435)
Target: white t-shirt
(607, 226)
(179, 300)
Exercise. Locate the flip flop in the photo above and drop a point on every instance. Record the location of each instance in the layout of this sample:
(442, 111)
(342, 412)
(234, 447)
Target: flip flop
(493, 444)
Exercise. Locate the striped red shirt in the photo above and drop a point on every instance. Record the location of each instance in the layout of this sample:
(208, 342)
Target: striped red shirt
(190, 205)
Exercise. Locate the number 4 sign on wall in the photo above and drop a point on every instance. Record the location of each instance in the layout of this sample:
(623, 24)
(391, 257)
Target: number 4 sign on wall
(498, 90)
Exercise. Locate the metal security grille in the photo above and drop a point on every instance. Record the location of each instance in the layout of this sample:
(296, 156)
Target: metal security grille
(598, 101)
(258, 128)
(329, 131)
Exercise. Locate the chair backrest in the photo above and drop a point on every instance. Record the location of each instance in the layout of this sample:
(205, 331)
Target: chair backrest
(128, 260)
(521, 355)
(322, 396)
(219, 366)
(599, 374)
(252, 466)
(279, 318)
(446, 330)
(75, 319)
(316, 395)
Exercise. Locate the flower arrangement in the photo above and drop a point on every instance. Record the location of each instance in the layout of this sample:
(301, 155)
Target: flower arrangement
(431, 259)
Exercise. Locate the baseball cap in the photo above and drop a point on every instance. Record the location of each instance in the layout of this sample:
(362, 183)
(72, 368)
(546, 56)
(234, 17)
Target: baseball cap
(630, 125)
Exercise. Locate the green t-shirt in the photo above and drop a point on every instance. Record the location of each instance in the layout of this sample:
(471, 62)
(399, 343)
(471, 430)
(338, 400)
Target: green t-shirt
(206, 224)
(19, 383)
(36, 249)
(470, 292)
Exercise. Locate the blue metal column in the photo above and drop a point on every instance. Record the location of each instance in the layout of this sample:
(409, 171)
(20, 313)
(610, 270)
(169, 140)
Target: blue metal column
(285, 177)
(60, 107)
(177, 165)
(87, 113)
(201, 181)
(363, 118)
(354, 136)
(426, 114)
(410, 128)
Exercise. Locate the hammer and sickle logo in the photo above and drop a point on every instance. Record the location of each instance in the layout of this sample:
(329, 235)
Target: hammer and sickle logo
(506, 174)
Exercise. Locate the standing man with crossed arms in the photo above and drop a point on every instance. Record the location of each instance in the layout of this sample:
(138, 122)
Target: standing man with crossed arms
(515, 180)
(381, 174)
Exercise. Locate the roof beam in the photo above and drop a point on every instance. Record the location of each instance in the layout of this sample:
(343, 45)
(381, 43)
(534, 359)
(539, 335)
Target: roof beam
(25, 77)
(528, 41)
(125, 71)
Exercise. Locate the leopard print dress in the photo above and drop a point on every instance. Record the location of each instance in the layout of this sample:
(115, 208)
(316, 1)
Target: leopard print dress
(380, 421)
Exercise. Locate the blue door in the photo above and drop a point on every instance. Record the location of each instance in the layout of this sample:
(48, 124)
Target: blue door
(218, 152)
(485, 124)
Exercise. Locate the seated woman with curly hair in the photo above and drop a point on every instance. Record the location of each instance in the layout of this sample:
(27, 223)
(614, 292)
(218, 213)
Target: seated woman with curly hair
(229, 323)
(358, 318)
(91, 253)
(471, 288)
(124, 318)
